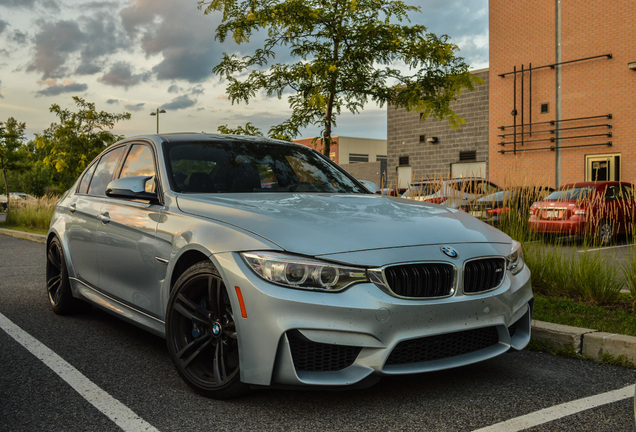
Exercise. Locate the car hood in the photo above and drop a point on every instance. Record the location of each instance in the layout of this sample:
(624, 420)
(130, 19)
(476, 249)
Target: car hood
(317, 224)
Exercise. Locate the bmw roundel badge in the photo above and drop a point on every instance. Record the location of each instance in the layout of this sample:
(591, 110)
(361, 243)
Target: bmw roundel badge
(216, 329)
(449, 251)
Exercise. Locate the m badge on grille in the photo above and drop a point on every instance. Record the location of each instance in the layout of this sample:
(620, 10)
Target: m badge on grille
(449, 251)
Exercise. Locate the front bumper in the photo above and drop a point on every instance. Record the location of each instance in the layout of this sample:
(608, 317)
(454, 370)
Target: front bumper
(296, 337)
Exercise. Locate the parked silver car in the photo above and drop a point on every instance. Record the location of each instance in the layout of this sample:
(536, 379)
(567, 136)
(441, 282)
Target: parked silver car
(262, 263)
(454, 193)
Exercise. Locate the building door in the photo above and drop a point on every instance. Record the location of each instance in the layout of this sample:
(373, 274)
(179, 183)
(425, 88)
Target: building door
(603, 167)
(404, 175)
(468, 169)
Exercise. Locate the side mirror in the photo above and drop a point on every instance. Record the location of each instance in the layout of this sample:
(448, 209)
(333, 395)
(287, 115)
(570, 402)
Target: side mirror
(132, 188)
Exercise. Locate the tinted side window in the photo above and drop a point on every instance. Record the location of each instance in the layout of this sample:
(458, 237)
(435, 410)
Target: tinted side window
(86, 180)
(105, 171)
(628, 193)
(613, 192)
(140, 162)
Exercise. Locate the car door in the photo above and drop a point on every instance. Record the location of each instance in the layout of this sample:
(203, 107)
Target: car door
(83, 213)
(128, 268)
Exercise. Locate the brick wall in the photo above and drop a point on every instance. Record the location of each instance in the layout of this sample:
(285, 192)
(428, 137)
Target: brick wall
(428, 160)
(524, 33)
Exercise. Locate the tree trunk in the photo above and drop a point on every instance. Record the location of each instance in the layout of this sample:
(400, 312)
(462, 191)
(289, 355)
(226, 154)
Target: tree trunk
(326, 137)
(6, 186)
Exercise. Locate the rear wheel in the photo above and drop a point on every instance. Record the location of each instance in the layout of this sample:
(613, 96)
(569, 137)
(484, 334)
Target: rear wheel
(58, 285)
(605, 232)
(201, 333)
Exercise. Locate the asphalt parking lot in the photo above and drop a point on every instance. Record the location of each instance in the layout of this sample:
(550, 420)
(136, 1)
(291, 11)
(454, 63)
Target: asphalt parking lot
(94, 372)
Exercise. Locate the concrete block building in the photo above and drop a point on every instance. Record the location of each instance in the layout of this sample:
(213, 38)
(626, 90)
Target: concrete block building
(421, 148)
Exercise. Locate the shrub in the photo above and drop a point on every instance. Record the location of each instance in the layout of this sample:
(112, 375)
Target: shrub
(34, 215)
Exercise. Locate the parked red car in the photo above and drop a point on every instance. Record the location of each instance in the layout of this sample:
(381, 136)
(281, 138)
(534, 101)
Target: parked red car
(601, 209)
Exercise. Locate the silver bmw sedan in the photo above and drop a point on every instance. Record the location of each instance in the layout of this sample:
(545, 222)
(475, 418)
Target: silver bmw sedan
(262, 263)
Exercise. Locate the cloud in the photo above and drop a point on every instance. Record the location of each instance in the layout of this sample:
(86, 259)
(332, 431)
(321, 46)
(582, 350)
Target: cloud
(135, 107)
(465, 22)
(55, 89)
(53, 44)
(121, 75)
(180, 102)
(188, 51)
(17, 3)
(19, 37)
(80, 46)
(112, 101)
(3, 25)
(49, 5)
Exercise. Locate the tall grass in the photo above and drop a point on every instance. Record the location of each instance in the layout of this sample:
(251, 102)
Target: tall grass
(551, 270)
(557, 270)
(629, 272)
(34, 215)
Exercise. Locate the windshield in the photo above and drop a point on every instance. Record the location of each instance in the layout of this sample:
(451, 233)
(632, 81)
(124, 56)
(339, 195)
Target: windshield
(571, 193)
(232, 166)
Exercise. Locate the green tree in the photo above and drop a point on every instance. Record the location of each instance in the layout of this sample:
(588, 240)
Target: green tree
(11, 156)
(344, 53)
(68, 146)
(249, 129)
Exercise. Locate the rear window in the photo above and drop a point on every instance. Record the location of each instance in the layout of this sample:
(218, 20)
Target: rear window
(572, 193)
(423, 189)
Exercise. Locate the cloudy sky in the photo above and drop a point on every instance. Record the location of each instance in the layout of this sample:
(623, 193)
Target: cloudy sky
(140, 55)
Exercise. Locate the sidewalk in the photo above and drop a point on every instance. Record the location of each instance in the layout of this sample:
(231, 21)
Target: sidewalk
(587, 342)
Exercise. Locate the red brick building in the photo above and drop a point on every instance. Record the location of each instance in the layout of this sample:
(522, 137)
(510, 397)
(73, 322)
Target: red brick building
(562, 97)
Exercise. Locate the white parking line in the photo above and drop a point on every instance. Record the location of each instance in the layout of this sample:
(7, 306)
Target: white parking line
(604, 248)
(119, 413)
(559, 411)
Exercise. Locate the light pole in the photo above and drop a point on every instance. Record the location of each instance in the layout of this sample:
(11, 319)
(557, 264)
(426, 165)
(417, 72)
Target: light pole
(156, 113)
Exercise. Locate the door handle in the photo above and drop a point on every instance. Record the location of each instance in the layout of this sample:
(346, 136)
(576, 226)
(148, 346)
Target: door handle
(104, 218)
(72, 208)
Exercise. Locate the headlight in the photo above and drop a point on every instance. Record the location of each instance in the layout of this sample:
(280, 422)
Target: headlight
(305, 273)
(515, 261)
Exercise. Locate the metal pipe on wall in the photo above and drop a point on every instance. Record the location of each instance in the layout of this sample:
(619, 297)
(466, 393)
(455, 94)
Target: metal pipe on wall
(558, 94)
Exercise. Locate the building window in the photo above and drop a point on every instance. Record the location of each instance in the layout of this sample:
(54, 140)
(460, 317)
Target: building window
(422, 138)
(403, 161)
(544, 108)
(357, 158)
(605, 167)
(469, 155)
(379, 158)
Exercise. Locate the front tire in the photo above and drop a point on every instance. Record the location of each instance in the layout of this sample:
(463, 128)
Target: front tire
(201, 333)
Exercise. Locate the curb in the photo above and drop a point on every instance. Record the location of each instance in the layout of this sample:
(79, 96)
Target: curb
(40, 238)
(590, 343)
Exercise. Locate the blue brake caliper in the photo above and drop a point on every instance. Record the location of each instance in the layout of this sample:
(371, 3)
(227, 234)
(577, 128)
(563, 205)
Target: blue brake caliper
(196, 330)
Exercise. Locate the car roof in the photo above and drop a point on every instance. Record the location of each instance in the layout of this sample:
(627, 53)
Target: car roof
(595, 184)
(456, 179)
(183, 137)
(190, 136)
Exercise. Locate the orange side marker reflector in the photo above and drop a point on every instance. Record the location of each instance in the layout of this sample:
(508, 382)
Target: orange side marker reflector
(239, 296)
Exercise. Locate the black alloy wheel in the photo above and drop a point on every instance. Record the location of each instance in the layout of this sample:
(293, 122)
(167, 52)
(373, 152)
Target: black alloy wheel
(58, 285)
(605, 232)
(201, 333)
